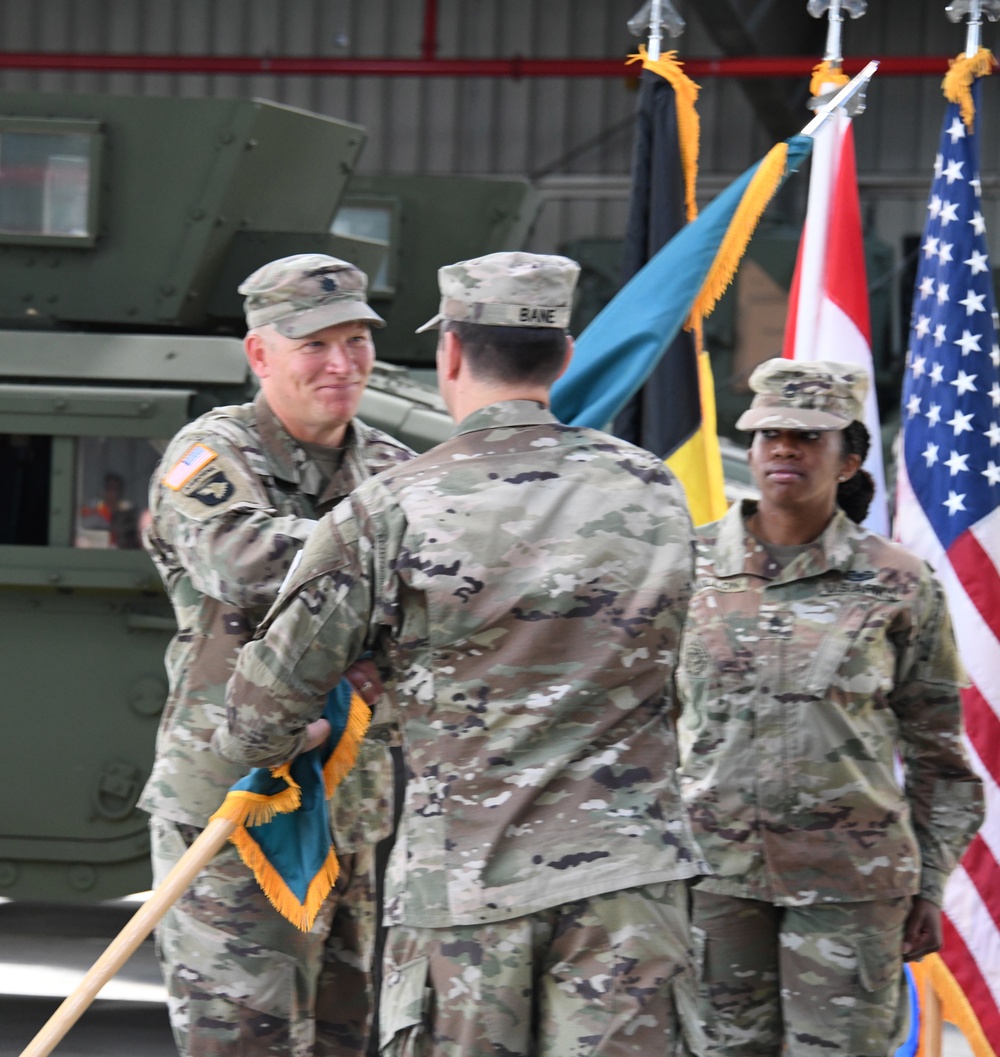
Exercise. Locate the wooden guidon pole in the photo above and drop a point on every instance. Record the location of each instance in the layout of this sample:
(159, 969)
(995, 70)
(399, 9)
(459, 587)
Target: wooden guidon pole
(124, 945)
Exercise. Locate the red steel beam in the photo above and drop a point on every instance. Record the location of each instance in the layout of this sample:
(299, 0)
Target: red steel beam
(516, 67)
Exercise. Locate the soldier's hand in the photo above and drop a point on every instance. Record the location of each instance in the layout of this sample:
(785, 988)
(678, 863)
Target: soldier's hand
(922, 932)
(316, 734)
(364, 677)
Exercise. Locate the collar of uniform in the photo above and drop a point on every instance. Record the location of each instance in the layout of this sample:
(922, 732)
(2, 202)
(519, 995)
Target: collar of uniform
(278, 444)
(733, 557)
(506, 413)
(286, 458)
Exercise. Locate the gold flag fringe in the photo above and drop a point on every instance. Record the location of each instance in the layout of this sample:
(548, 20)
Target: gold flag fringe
(345, 755)
(253, 809)
(825, 73)
(761, 189)
(688, 122)
(957, 83)
(273, 885)
(955, 1007)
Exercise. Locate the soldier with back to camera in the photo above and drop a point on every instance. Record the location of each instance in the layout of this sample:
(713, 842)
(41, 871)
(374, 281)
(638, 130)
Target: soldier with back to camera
(235, 497)
(525, 584)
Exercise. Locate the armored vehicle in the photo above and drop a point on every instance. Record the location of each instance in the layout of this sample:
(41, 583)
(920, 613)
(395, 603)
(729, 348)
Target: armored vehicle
(126, 225)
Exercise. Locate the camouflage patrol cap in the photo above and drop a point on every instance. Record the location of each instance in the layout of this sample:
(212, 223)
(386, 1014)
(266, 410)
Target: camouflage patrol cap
(305, 293)
(794, 394)
(510, 289)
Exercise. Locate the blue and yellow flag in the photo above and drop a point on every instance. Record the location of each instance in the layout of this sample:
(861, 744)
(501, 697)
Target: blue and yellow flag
(282, 823)
(671, 293)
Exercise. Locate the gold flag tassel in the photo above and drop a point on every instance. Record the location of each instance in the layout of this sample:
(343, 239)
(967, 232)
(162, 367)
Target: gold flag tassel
(957, 83)
(825, 75)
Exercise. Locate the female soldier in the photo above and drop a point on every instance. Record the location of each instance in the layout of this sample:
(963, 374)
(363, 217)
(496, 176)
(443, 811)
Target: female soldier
(821, 753)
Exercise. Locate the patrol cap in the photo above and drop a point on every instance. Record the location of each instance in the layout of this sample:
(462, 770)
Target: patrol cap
(795, 394)
(510, 289)
(305, 293)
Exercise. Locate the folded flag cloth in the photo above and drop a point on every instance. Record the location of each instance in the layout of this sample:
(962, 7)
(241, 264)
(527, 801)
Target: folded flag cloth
(282, 824)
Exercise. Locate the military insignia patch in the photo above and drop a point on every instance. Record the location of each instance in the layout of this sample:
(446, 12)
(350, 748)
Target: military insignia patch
(196, 458)
(213, 490)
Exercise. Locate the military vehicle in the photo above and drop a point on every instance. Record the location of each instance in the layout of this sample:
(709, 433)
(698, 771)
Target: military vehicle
(126, 225)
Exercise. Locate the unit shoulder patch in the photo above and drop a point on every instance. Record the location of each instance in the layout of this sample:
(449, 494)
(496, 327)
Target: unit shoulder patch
(215, 488)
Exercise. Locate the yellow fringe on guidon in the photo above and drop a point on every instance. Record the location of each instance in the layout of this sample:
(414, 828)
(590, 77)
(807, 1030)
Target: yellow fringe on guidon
(688, 122)
(957, 83)
(761, 189)
(932, 972)
(249, 809)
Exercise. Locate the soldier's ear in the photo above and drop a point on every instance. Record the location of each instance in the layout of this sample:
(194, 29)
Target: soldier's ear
(450, 349)
(256, 350)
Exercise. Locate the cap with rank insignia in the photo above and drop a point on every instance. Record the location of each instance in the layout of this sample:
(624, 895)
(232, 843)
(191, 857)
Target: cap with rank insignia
(805, 395)
(508, 290)
(307, 292)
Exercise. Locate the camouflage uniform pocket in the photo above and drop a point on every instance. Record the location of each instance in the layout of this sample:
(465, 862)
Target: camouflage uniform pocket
(404, 1011)
(881, 1013)
(361, 807)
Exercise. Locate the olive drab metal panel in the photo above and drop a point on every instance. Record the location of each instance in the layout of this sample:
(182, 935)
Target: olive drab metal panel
(126, 225)
(152, 192)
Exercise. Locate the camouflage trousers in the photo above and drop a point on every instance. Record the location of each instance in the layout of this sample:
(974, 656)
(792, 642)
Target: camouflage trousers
(242, 981)
(819, 980)
(608, 976)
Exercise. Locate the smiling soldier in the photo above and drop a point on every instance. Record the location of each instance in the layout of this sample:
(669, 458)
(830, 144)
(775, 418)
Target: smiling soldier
(236, 495)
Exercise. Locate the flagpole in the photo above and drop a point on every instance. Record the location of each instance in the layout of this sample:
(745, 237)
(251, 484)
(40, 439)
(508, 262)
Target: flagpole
(834, 27)
(124, 945)
(845, 95)
(973, 34)
(655, 30)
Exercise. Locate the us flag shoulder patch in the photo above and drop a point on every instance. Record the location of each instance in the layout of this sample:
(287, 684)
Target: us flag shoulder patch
(193, 460)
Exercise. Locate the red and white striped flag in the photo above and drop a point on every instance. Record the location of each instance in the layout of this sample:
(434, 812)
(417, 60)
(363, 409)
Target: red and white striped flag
(948, 511)
(828, 316)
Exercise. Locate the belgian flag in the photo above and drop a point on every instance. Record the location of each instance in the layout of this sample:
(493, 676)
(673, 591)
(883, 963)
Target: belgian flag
(640, 364)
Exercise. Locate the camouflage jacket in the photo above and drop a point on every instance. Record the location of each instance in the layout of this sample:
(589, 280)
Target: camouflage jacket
(232, 502)
(800, 686)
(526, 583)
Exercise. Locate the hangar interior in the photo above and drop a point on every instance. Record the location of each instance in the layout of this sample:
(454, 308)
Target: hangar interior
(538, 89)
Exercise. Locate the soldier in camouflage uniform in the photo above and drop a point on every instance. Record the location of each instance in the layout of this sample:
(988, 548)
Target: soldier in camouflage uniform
(235, 497)
(524, 586)
(815, 651)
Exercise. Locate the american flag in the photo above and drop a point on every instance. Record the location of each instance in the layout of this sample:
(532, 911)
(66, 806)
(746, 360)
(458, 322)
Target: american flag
(948, 511)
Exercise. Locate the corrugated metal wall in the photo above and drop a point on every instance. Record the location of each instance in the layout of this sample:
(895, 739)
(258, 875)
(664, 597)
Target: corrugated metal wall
(572, 134)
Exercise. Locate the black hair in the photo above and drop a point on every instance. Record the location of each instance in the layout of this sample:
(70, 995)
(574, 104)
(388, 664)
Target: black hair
(854, 496)
(510, 354)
